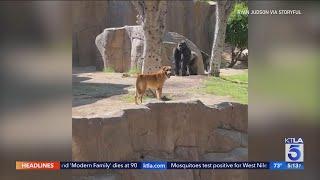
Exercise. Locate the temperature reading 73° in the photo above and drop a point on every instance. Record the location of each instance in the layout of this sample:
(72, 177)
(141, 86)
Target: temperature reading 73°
(277, 165)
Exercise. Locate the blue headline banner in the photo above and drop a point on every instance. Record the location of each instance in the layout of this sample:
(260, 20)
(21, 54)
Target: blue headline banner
(162, 165)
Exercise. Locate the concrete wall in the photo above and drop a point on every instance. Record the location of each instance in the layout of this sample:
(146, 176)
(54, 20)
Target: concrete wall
(194, 20)
(172, 131)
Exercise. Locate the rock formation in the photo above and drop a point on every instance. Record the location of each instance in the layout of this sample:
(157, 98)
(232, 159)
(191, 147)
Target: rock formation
(168, 131)
(121, 48)
(194, 20)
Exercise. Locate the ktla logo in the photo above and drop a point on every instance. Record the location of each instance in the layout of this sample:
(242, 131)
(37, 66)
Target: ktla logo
(294, 149)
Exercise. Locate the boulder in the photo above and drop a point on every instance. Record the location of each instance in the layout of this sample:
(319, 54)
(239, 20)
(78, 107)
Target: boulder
(115, 48)
(121, 48)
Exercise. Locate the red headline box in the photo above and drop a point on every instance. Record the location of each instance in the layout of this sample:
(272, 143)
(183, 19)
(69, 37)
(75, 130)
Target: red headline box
(37, 165)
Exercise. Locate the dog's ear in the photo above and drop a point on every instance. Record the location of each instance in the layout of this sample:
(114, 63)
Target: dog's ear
(164, 68)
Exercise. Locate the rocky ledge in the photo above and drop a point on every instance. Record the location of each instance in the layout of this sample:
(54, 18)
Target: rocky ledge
(172, 131)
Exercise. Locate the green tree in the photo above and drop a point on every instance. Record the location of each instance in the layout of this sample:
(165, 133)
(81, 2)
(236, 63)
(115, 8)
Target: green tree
(237, 31)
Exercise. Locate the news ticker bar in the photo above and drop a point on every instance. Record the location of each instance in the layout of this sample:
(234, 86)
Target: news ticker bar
(156, 165)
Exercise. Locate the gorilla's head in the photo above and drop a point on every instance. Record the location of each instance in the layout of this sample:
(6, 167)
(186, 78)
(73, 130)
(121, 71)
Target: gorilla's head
(182, 45)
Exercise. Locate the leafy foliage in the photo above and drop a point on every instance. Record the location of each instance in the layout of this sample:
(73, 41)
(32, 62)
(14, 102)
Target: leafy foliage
(237, 26)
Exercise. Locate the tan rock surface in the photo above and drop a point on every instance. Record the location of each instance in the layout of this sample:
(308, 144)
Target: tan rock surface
(174, 130)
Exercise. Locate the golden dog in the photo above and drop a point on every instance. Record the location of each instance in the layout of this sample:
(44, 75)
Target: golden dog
(152, 81)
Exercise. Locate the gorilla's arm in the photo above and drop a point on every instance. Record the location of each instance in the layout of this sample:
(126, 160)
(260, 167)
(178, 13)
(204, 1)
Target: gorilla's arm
(177, 60)
(177, 54)
(186, 58)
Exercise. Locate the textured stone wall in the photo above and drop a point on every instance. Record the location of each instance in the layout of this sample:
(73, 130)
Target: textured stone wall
(194, 20)
(169, 131)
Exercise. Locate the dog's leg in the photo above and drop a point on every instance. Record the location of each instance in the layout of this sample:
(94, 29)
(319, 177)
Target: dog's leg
(136, 97)
(159, 93)
(141, 95)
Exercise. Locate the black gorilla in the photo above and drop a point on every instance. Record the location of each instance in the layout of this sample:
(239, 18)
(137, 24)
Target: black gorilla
(182, 58)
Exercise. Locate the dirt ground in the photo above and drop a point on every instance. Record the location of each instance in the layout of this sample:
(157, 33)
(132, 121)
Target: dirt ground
(97, 93)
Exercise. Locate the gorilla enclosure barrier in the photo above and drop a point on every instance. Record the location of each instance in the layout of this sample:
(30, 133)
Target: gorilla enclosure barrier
(169, 131)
